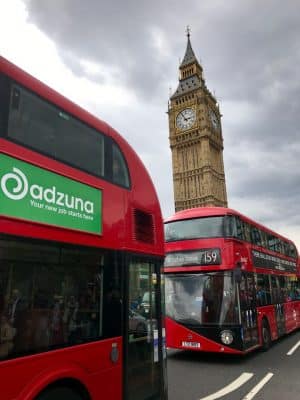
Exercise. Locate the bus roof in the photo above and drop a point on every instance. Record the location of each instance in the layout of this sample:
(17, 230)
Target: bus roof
(200, 212)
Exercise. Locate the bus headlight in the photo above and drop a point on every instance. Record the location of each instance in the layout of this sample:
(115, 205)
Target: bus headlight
(226, 337)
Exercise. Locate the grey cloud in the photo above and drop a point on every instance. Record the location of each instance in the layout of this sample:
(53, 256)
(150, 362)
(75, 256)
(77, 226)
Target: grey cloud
(250, 54)
(111, 33)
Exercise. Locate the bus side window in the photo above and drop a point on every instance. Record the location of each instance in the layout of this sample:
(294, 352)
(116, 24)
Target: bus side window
(293, 251)
(4, 104)
(276, 295)
(261, 293)
(119, 168)
(247, 230)
(267, 288)
(286, 248)
(230, 226)
(283, 292)
(291, 288)
(263, 236)
(239, 229)
(255, 236)
(271, 242)
(274, 243)
(297, 289)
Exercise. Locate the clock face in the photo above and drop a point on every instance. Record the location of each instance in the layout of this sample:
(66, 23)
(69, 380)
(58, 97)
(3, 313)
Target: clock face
(186, 118)
(214, 119)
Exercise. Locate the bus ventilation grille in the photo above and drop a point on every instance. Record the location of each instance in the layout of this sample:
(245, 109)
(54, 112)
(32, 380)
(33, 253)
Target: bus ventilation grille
(143, 227)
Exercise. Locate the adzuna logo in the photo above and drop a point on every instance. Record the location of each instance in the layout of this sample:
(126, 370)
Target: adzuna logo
(21, 188)
(37, 192)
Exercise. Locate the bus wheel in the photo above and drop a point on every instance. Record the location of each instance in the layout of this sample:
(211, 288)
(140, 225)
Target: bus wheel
(59, 393)
(265, 335)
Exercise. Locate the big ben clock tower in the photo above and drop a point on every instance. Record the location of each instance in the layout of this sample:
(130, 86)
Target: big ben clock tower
(196, 139)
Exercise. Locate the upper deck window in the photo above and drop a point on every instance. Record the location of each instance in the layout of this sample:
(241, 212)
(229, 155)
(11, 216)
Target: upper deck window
(256, 236)
(31, 121)
(237, 228)
(49, 130)
(292, 251)
(197, 228)
(274, 243)
(119, 168)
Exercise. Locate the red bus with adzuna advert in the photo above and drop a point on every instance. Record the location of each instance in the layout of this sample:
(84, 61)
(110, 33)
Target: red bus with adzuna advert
(81, 242)
(232, 285)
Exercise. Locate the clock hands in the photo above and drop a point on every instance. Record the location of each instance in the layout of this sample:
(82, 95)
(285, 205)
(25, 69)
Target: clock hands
(186, 118)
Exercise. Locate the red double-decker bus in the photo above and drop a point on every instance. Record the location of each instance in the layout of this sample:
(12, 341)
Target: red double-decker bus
(232, 285)
(81, 242)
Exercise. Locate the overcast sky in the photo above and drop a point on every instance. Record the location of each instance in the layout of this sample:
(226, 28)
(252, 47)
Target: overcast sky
(119, 59)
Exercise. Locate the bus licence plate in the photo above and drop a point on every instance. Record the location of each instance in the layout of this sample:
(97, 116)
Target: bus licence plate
(193, 345)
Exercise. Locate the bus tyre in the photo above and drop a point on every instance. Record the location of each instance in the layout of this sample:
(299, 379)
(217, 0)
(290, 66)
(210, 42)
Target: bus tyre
(265, 335)
(59, 393)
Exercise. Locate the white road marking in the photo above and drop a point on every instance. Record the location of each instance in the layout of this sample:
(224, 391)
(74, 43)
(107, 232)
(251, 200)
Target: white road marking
(258, 387)
(231, 387)
(293, 349)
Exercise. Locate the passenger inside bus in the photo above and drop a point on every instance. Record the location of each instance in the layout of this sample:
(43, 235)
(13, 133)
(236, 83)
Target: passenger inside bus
(260, 296)
(7, 334)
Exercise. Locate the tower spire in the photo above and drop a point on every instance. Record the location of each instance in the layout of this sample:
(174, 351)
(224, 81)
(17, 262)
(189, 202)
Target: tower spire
(189, 56)
(188, 31)
(190, 71)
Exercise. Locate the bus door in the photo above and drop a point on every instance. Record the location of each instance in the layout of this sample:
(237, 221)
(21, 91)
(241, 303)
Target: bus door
(143, 359)
(248, 310)
(278, 300)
